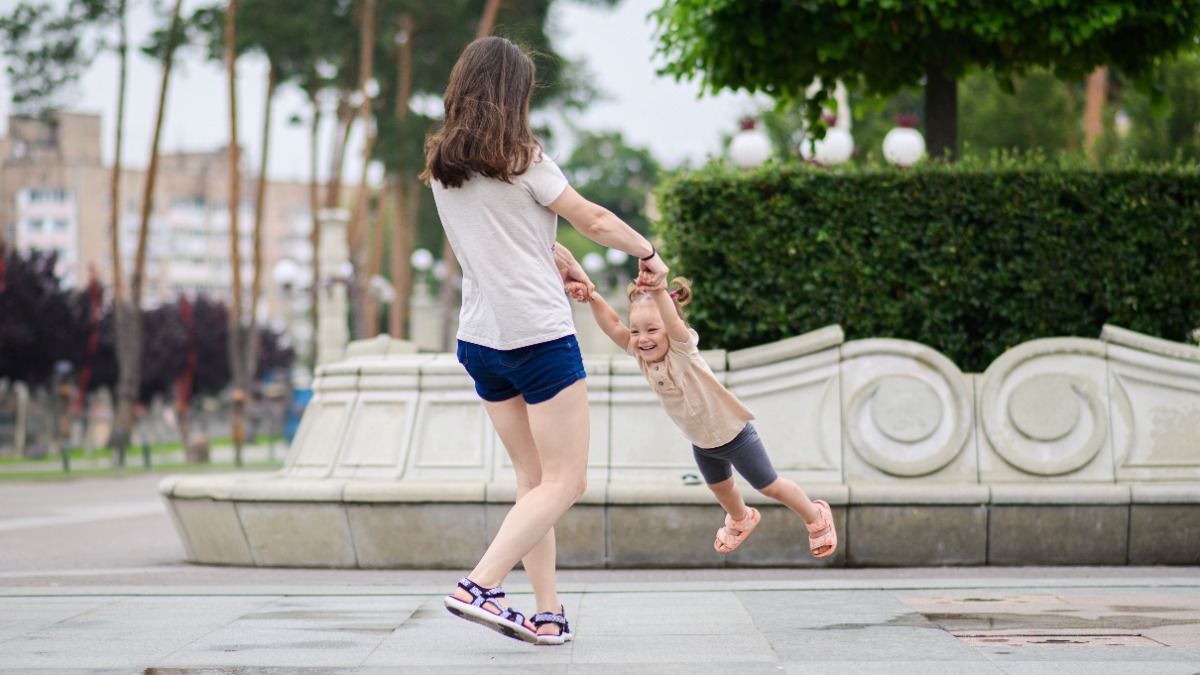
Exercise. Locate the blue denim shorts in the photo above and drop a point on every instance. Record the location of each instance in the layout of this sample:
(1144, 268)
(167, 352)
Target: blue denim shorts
(537, 372)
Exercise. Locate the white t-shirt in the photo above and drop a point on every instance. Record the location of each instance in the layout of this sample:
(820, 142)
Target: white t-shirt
(503, 236)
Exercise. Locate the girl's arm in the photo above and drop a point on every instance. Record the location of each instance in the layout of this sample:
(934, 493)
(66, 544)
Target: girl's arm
(677, 330)
(606, 317)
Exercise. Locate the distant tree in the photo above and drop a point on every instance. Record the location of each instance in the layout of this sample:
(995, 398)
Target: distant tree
(165, 355)
(45, 54)
(211, 320)
(613, 174)
(275, 356)
(129, 323)
(1175, 133)
(799, 50)
(1040, 113)
(39, 322)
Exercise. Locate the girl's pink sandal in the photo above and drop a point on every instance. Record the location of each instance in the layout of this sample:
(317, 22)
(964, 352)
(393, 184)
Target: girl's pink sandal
(829, 539)
(735, 531)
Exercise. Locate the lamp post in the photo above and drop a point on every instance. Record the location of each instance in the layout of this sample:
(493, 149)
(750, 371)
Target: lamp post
(62, 409)
(616, 261)
(422, 262)
(286, 272)
(904, 145)
(750, 147)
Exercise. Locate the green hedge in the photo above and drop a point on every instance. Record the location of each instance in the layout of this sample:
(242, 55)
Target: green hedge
(970, 260)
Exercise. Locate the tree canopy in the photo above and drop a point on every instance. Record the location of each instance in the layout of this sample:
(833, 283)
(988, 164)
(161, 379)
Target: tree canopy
(800, 49)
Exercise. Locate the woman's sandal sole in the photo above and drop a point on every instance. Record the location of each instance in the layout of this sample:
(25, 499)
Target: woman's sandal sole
(487, 619)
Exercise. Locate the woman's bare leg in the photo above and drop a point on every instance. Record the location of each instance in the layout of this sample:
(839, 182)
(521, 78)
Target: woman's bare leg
(560, 432)
(512, 424)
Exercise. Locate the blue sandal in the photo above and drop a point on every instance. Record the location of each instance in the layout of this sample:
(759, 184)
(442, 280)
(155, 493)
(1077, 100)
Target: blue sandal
(507, 622)
(560, 619)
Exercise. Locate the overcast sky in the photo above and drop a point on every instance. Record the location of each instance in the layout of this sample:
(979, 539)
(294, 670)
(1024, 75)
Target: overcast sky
(616, 44)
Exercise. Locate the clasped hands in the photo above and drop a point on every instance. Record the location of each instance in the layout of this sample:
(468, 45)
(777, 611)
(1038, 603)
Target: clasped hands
(652, 277)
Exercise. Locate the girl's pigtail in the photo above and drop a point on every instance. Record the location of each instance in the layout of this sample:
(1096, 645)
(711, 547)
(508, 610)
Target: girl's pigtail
(683, 291)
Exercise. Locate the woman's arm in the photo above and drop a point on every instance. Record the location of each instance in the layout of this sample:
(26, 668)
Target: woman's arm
(603, 227)
(606, 317)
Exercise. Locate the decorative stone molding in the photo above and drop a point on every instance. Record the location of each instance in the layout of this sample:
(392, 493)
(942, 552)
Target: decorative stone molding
(907, 409)
(1060, 439)
(1044, 408)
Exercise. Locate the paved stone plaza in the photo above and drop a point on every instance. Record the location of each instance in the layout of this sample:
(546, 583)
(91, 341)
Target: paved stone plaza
(92, 581)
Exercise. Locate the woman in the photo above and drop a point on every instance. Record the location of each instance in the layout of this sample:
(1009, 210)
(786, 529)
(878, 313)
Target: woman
(498, 197)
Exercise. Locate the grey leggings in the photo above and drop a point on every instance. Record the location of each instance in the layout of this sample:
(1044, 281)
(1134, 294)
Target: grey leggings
(744, 453)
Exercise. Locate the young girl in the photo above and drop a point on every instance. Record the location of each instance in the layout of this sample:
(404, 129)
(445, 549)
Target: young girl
(711, 417)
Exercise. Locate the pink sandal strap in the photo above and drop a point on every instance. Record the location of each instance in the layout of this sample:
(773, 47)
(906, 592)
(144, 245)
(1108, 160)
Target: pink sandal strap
(735, 532)
(828, 540)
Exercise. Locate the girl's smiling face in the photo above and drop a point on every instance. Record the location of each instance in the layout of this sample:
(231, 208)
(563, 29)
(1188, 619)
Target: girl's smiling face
(648, 332)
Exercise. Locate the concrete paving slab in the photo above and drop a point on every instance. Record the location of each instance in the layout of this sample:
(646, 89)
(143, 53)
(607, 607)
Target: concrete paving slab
(105, 591)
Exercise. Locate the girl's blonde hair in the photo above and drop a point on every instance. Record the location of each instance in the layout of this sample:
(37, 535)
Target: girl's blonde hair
(680, 297)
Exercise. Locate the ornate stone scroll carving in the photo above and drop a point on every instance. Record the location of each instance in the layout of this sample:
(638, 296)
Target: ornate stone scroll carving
(1044, 410)
(1155, 386)
(906, 410)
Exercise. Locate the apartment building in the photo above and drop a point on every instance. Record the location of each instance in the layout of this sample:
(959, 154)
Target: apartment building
(55, 194)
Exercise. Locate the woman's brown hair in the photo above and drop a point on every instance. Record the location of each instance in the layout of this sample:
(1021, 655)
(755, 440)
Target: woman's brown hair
(486, 127)
(681, 296)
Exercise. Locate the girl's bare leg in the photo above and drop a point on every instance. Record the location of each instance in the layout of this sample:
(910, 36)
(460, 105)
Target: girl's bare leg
(792, 496)
(730, 497)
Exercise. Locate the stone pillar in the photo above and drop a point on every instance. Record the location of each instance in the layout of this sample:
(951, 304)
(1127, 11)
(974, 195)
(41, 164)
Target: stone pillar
(332, 328)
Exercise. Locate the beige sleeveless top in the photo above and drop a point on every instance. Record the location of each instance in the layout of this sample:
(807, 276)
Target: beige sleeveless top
(703, 409)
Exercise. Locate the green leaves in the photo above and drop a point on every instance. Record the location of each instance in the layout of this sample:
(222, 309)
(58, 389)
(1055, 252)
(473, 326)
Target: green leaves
(782, 47)
(970, 259)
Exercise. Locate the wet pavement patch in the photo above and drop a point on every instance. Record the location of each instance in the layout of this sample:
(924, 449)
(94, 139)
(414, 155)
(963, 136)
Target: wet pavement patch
(985, 639)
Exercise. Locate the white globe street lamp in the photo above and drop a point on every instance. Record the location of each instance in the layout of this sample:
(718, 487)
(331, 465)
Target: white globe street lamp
(835, 148)
(286, 273)
(750, 147)
(593, 263)
(904, 145)
(616, 257)
(422, 261)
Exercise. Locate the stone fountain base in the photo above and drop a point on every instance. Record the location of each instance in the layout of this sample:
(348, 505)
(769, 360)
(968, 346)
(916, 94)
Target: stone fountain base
(1065, 451)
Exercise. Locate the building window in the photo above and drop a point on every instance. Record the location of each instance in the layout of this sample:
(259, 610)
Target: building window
(48, 195)
(61, 225)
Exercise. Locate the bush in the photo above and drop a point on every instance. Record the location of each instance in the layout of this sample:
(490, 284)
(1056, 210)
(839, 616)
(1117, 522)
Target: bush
(970, 259)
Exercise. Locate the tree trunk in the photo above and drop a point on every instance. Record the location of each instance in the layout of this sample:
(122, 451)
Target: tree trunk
(403, 227)
(1093, 112)
(183, 385)
(345, 118)
(488, 21)
(237, 337)
(314, 291)
(449, 293)
(941, 110)
(260, 211)
(129, 320)
(114, 214)
(378, 238)
(357, 231)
